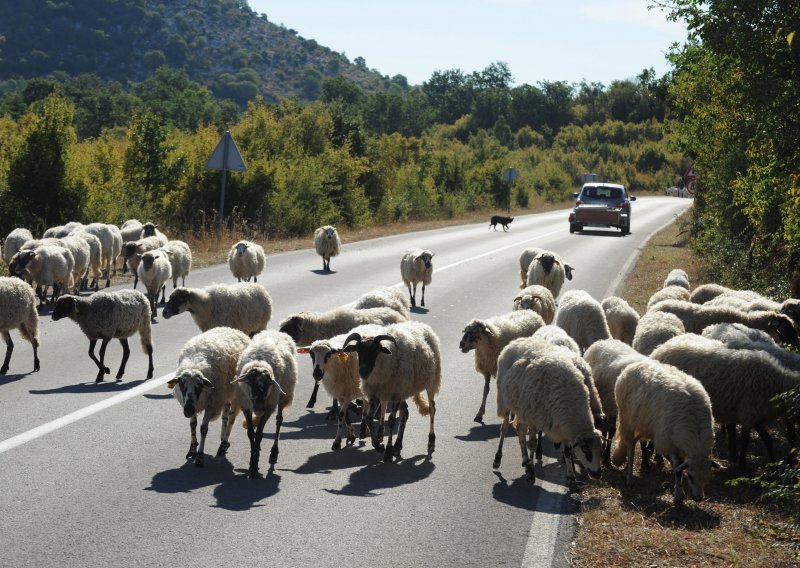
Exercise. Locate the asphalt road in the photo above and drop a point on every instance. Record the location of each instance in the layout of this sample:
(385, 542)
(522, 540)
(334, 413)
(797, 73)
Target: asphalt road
(95, 475)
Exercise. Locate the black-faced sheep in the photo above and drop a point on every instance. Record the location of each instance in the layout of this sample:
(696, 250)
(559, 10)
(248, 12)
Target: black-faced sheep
(14, 241)
(660, 403)
(203, 382)
(327, 244)
(265, 381)
(246, 260)
(538, 299)
(18, 311)
(416, 266)
(133, 251)
(110, 315)
(549, 270)
(46, 265)
(245, 306)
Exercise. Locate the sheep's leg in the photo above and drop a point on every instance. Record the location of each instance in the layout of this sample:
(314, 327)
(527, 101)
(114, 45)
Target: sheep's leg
(199, 459)
(611, 430)
(398, 443)
(387, 454)
(351, 433)
(522, 432)
(342, 417)
(767, 439)
(334, 411)
(498, 456)
(377, 433)
(730, 431)
(479, 417)
(126, 351)
(647, 450)
(273, 453)
(135, 280)
(431, 433)
(163, 293)
(678, 490)
(255, 450)
(313, 400)
(631, 447)
(101, 369)
(149, 350)
(228, 418)
(538, 453)
(422, 303)
(572, 482)
(411, 295)
(9, 350)
(193, 444)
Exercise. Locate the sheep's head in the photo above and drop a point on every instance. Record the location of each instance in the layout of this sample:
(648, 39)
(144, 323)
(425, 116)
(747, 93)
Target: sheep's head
(148, 230)
(189, 388)
(781, 327)
(293, 326)
(241, 247)
(588, 450)
(148, 259)
(329, 232)
(320, 352)
(547, 261)
(257, 384)
(791, 308)
(66, 306)
(368, 350)
(426, 258)
(179, 301)
(698, 473)
(129, 249)
(473, 333)
(20, 261)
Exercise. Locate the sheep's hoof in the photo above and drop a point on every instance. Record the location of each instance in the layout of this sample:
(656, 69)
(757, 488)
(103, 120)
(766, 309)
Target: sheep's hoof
(199, 461)
(332, 414)
(498, 457)
(223, 448)
(387, 455)
(4, 369)
(431, 443)
(99, 379)
(379, 447)
(273, 456)
(253, 473)
(191, 453)
(337, 444)
(479, 418)
(573, 486)
(351, 439)
(530, 472)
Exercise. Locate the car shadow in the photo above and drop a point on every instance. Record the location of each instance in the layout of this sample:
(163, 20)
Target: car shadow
(607, 233)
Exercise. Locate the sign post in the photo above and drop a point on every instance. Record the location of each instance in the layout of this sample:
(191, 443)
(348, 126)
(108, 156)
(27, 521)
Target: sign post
(226, 156)
(510, 175)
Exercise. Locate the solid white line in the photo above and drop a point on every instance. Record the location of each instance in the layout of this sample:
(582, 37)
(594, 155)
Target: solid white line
(58, 423)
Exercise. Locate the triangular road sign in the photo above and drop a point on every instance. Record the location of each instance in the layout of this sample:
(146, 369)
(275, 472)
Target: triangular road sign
(226, 156)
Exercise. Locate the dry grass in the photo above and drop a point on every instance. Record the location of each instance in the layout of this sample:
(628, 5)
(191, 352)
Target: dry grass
(638, 525)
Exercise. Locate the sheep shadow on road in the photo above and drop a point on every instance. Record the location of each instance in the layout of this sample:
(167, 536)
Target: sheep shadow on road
(109, 385)
(8, 379)
(350, 457)
(370, 480)
(187, 478)
(321, 272)
(480, 433)
(535, 497)
(419, 310)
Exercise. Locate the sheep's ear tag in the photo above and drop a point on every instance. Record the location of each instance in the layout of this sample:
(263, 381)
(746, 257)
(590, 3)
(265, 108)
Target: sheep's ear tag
(342, 355)
(303, 350)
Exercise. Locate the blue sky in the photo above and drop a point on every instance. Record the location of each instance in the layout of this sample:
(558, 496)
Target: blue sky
(540, 40)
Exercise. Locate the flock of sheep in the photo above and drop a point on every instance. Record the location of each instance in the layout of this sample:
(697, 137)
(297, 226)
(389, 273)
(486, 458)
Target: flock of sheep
(594, 377)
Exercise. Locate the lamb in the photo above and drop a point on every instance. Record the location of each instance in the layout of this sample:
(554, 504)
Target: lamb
(18, 311)
(622, 319)
(656, 328)
(549, 270)
(14, 241)
(388, 297)
(154, 271)
(607, 358)
(327, 244)
(740, 383)
(416, 266)
(133, 252)
(180, 259)
(660, 403)
(46, 265)
(110, 315)
(677, 277)
(668, 293)
(266, 377)
(203, 382)
(539, 299)
(582, 317)
(390, 375)
(246, 260)
(488, 337)
(695, 317)
(306, 327)
(540, 385)
(244, 306)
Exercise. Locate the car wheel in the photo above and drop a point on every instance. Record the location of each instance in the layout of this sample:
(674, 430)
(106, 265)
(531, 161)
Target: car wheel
(572, 227)
(625, 229)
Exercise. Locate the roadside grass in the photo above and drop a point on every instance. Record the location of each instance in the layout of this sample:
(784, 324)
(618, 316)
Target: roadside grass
(638, 525)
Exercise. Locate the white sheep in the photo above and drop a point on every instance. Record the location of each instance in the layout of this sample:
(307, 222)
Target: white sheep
(61, 231)
(327, 244)
(306, 327)
(487, 337)
(81, 255)
(677, 277)
(740, 382)
(396, 362)
(154, 271)
(548, 269)
(203, 382)
(116, 245)
(245, 306)
(46, 265)
(95, 257)
(668, 293)
(131, 230)
(18, 311)
(266, 377)
(134, 250)
(524, 263)
(539, 299)
(660, 403)
(695, 317)
(582, 317)
(387, 297)
(654, 329)
(110, 315)
(622, 319)
(246, 260)
(180, 259)
(706, 292)
(540, 385)
(14, 241)
(416, 266)
(739, 336)
(106, 236)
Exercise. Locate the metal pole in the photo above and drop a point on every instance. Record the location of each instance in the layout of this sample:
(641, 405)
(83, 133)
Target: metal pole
(224, 177)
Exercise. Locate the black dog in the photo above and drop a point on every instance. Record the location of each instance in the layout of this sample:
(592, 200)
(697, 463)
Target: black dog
(504, 221)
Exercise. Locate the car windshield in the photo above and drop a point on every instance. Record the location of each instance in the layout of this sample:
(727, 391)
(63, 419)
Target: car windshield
(603, 192)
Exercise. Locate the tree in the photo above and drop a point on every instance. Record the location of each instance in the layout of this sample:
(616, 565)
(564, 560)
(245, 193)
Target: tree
(146, 160)
(449, 95)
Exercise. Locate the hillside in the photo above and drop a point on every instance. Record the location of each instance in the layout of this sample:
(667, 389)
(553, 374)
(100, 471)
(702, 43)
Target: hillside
(221, 44)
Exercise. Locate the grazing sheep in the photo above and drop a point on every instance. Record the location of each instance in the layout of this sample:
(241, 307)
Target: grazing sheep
(133, 252)
(707, 292)
(154, 271)
(265, 381)
(246, 260)
(388, 297)
(46, 265)
(660, 403)
(740, 382)
(488, 337)
(540, 385)
(524, 263)
(416, 266)
(622, 319)
(391, 374)
(668, 293)
(306, 327)
(677, 277)
(14, 241)
(695, 317)
(607, 358)
(180, 259)
(244, 306)
(18, 311)
(582, 317)
(106, 236)
(110, 315)
(203, 382)
(656, 328)
(327, 244)
(539, 299)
